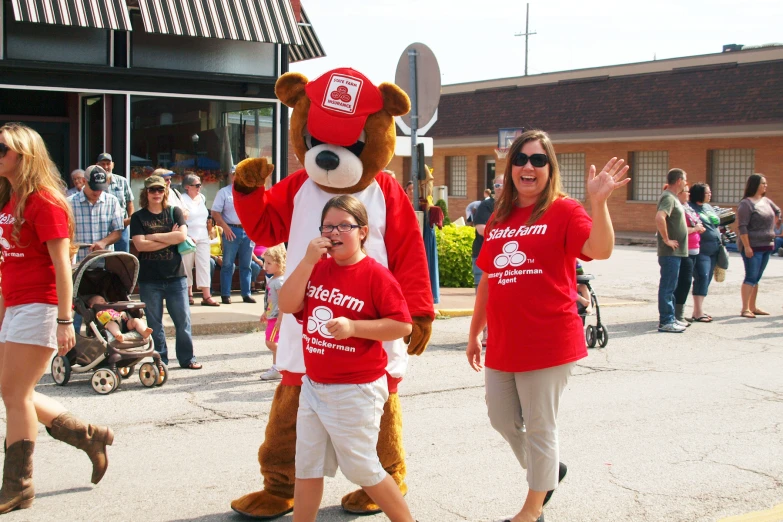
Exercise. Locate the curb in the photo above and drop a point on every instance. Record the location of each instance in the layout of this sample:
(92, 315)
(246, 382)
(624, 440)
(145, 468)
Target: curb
(456, 312)
(217, 328)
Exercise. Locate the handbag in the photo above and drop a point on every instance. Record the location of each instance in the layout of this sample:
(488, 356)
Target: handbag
(723, 258)
(186, 247)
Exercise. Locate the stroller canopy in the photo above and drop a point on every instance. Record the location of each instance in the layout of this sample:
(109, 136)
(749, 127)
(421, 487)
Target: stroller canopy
(106, 272)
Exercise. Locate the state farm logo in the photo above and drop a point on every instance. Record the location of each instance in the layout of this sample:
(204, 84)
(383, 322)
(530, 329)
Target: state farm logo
(342, 93)
(3, 241)
(317, 322)
(511, 256)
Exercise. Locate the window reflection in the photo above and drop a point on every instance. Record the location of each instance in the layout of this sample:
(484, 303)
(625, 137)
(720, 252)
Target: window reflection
(204, 136)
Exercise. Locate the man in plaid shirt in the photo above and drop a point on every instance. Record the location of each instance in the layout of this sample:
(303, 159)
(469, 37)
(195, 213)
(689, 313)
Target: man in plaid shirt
(98, 214)
(119, 187)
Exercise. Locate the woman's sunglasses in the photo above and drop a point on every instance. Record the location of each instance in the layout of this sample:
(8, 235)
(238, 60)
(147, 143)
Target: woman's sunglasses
(537, 160)
(197, 185)
(155, 190)
(4, 149)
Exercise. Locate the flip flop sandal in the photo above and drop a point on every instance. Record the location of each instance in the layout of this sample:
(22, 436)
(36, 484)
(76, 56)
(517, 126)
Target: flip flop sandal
(748, 314)
(703, 319)
(760, 312)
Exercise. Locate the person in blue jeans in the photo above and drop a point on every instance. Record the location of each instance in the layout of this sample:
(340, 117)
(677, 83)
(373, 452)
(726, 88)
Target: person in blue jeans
(235, 244)
(672, 248)
(156, 230)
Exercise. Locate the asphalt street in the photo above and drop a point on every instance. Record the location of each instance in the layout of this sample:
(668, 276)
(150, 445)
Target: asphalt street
(655, 427)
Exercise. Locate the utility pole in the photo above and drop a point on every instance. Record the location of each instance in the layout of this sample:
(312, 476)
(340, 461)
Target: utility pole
(527, 33)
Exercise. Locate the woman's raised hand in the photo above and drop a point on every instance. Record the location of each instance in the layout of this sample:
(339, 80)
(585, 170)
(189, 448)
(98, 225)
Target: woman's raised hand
(601, 186)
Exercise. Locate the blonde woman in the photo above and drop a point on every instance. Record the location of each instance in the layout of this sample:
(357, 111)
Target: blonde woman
(36, 230)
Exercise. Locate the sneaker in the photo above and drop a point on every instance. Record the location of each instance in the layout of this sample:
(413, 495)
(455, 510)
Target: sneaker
(671, 328)
(682, 323)
(271, 375)
(780, 251)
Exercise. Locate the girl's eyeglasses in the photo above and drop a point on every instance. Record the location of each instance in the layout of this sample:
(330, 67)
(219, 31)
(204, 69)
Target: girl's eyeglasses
(4, 150)
(342, 227)
(155, 190)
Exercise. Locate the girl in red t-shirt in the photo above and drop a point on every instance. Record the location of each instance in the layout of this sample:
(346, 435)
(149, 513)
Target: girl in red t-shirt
(349, 304)
(36, 230)
(527, 294)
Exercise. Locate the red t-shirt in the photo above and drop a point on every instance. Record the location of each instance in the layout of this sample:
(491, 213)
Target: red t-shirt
(363, 291)
(531, 310)
(28, 271)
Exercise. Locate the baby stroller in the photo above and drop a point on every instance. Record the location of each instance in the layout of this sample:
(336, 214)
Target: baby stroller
(112, 275)
(593, 333)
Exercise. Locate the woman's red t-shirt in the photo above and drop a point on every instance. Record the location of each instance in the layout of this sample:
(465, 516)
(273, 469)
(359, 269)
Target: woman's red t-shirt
(531, 311)
(27, 268)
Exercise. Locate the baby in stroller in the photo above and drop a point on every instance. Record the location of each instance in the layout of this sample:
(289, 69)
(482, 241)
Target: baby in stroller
(114, 321)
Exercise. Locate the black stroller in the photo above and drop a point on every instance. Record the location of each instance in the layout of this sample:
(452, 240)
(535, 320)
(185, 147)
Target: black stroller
(594, 334)
(112, 275)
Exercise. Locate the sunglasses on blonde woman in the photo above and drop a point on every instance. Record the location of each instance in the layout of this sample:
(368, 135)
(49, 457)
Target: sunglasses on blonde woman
(4, 150)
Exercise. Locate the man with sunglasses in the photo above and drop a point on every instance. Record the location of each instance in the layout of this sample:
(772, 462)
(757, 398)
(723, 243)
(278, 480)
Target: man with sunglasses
(118, 187)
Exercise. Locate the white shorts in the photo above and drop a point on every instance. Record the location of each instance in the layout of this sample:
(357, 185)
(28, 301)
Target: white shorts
(34, 323)
(338, 424)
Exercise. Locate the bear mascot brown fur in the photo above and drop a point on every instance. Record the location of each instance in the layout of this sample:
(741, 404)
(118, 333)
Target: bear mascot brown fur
(343, 132)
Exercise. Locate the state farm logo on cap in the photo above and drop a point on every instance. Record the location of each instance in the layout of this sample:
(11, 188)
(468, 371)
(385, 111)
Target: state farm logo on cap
(342, 93)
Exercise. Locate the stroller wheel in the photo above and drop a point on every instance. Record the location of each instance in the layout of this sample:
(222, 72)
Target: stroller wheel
(126, 371)
(149, 374)
(603, 336)
(61, 370)
(590, 336)
(163, 371)
(105, 381)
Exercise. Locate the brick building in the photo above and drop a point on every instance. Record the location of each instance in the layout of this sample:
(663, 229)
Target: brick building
(718, 116)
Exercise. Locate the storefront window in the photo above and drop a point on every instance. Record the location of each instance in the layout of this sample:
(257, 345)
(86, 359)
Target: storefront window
(206, 137)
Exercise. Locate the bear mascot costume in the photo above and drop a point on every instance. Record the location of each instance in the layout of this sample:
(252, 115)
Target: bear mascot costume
(343, 132)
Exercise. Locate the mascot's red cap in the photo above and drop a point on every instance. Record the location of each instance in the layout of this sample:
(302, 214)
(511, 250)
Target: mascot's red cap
(340, 102)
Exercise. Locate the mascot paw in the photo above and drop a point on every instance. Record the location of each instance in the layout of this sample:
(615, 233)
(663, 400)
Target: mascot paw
(420, 336)
(360, 503)
(262, 505)
(251, 174)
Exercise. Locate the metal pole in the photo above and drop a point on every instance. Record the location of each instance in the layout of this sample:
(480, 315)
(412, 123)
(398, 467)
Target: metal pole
(412, 53)
(527, 33)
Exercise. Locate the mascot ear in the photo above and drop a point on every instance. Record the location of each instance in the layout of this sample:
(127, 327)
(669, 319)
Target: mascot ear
(395, 101)
(289, 88)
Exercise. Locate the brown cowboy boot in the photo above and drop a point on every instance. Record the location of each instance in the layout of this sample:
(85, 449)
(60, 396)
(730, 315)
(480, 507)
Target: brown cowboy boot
(18, 491)
(86, 437)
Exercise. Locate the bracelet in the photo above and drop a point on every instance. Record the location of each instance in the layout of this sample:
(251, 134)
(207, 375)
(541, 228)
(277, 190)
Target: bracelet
(64, 321)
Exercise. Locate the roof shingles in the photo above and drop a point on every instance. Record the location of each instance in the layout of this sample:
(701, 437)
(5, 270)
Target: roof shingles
(740, 95)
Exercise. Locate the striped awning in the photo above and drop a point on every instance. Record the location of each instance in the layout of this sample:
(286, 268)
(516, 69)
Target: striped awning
(311, 48)
(101, 14)
(270, 21)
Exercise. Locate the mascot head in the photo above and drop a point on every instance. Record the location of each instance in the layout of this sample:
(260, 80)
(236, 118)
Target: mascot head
(342, 126)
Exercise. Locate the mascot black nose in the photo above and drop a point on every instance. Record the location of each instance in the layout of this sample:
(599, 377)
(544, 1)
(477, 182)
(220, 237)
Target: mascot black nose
(327, 160)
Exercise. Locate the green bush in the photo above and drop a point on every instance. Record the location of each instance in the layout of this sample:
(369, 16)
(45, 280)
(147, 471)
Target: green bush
(445, 208)
(455, 264)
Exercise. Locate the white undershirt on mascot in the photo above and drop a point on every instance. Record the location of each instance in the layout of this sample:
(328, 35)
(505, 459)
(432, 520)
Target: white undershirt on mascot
(300, 209)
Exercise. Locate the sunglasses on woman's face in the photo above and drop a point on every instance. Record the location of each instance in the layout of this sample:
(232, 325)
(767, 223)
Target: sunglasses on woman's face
(537, 160)
(4, 150)
(197, 185)
(155, 190)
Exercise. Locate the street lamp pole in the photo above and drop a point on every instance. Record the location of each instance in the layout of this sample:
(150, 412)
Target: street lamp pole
(195, 139)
